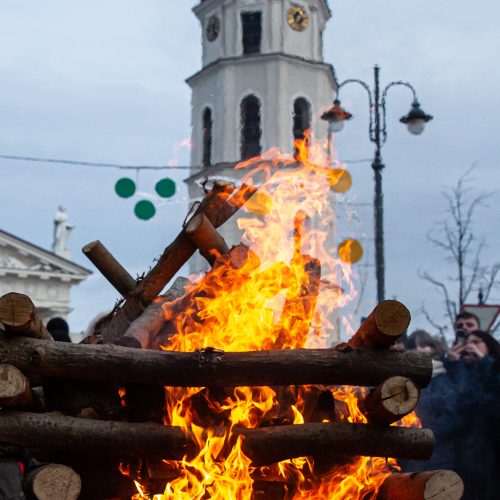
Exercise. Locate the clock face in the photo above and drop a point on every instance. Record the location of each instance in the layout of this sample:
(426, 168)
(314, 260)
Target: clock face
(298, 18)
(213, 28)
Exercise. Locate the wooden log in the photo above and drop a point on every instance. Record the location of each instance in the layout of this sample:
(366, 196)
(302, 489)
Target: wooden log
(207, 239)
(18, 315)
(212, 368)
(142, 332)
(385, 324)
(219, 204)
(430, 485)
(390, 401)
(52, 482)
(15, 389)
(263, 446)
(274, 444)
(109, 267)
(61, 433)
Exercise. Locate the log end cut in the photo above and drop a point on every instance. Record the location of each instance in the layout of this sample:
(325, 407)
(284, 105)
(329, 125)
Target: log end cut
(385, 324)
(395, 398)
(392, 318)
(16, 310)
(53, 482)
(430, 485)
(14, 388)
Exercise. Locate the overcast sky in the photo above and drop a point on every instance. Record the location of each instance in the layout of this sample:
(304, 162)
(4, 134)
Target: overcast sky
(104, 81)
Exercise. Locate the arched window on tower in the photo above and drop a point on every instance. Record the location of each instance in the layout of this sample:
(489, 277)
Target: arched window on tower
(301, 119)
(250, 127)
(207, 137)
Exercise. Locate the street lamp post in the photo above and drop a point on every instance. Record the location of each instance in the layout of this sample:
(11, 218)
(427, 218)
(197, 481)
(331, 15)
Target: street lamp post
(415, 121)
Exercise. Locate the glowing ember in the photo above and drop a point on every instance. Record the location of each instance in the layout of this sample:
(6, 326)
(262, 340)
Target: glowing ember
(268, 295)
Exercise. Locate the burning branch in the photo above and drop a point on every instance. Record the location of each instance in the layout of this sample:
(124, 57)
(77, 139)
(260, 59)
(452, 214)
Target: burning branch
(219, 204)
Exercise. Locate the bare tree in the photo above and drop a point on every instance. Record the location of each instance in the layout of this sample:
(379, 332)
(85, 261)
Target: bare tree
(455, 236)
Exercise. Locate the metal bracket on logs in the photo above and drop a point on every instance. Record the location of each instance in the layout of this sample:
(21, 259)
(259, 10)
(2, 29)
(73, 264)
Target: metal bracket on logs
(209, 355)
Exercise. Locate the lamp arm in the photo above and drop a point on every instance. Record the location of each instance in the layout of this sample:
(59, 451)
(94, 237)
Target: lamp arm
(384, 97)
(370, 101)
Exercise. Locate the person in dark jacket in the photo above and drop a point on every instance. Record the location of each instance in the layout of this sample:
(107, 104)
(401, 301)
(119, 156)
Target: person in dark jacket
(474, 366)
(59, 329)
(437, 407)
(11, 472)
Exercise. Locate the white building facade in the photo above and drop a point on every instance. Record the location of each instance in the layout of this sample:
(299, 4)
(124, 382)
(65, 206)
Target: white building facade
(42, 275)
(263, 82)
(262, 79)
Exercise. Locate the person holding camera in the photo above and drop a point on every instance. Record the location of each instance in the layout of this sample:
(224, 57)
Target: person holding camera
(473, 365)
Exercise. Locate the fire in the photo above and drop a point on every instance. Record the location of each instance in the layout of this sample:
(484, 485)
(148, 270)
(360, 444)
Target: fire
(278, 292)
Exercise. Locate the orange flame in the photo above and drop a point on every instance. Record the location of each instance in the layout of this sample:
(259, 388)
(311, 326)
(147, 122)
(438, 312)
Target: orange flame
(278, 292)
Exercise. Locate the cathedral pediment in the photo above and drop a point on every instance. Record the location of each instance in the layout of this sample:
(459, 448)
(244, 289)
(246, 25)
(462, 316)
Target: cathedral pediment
(19, 257)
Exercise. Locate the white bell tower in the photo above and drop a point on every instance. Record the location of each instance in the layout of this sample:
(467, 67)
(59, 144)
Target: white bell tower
(263, 78)
(263, 82)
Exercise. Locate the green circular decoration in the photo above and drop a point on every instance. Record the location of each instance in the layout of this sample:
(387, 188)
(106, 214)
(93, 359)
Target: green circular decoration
(125, 187)
(165, 187)
(144, 210)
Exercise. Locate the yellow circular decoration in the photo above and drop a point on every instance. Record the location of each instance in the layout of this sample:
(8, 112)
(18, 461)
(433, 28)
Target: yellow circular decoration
(259, 204)
(298, 18)
(350, 251)
(339, 179)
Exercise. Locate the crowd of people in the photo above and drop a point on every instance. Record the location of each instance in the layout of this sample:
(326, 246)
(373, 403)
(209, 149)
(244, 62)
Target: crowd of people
(461, 406)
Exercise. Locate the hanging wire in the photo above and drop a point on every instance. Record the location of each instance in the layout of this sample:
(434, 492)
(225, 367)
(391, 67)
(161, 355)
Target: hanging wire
(127, 167)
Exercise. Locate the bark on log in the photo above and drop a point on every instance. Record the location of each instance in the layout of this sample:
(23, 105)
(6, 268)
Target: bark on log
(18, 315)
(274, 444)
(212, 368)
(109, 267)
(263, 446)
(52, 482)
(219, 205)
(431, 485)
(206, 238)
(93, 437)
(385, 324)
(390, 401)
(15, 389)
(143, 331)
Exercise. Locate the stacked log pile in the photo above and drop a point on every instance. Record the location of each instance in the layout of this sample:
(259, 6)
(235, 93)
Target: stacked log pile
(69, 404)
